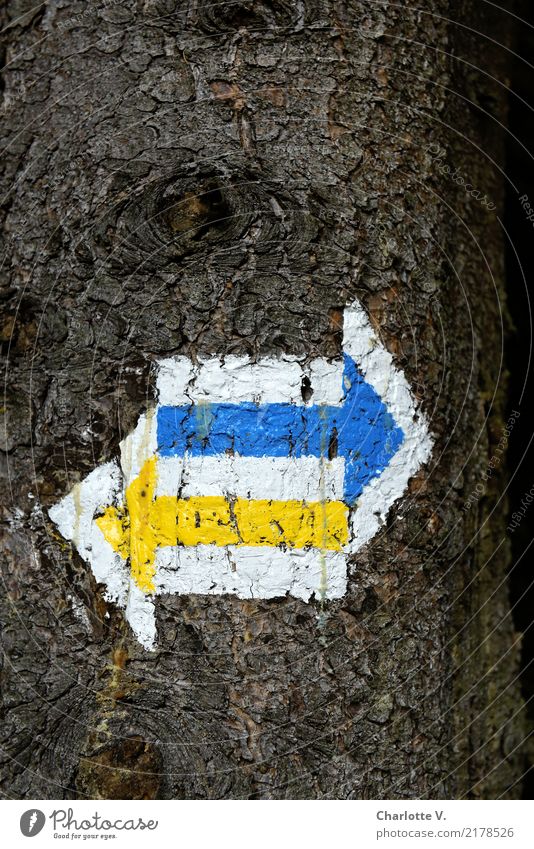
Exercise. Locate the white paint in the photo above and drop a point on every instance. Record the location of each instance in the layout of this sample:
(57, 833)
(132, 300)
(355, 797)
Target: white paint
(376, 366)
(248, 572)
(236, 379)
(270, 478)
(239, 571)
(138, 447)
(74, 517)
(140, 612)
(79, 611)
(326, 379)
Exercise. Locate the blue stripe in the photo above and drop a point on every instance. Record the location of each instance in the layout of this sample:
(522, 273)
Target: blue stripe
(361, 430)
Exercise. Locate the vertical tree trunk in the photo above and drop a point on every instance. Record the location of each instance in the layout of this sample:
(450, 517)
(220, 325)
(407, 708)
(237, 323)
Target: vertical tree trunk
(316, 134)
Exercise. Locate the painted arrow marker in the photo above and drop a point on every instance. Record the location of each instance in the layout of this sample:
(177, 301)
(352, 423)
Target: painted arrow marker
(252, 478)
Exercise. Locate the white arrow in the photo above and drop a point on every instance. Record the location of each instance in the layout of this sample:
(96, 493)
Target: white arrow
(238, 482)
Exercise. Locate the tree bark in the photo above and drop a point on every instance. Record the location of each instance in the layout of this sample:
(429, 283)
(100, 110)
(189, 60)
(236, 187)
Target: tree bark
(317, 133)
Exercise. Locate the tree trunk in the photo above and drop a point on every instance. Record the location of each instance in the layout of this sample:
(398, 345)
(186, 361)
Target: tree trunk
(318, 135)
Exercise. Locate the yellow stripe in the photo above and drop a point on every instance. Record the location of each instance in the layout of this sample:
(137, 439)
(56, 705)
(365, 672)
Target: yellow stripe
(150, 522)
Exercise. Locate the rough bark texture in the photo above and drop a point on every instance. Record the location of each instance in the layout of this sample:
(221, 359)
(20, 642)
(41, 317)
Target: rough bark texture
(306, 128)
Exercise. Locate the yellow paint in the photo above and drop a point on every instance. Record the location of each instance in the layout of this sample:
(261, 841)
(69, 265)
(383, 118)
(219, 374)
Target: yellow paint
(292, 523)
(116, 528)
(136, 534)
(149, 523)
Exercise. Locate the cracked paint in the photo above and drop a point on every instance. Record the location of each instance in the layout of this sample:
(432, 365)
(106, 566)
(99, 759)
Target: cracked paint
(239, 482)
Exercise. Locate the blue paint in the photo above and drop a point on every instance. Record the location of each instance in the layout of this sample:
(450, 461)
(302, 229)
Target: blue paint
(366, 434)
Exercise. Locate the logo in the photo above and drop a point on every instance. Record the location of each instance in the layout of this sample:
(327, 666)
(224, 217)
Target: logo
(252, 478)
(32, 822)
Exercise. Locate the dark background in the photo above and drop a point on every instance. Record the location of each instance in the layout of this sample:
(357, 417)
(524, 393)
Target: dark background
(520, 170)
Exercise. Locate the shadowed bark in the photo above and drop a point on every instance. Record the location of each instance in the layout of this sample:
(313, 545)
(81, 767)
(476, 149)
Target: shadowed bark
(196, 178)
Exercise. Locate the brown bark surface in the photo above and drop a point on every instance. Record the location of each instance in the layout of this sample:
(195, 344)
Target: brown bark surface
(200, 177)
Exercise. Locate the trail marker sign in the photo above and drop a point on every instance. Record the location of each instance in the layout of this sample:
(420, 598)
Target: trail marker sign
(239, 482)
